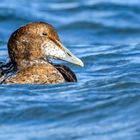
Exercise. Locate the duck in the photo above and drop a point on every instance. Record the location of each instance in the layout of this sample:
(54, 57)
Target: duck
(31, 49)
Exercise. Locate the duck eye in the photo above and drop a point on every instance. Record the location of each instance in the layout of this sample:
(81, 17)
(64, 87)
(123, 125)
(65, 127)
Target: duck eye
(45, 34)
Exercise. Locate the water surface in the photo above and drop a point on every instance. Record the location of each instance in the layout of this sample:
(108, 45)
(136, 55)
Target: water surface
(105, 103)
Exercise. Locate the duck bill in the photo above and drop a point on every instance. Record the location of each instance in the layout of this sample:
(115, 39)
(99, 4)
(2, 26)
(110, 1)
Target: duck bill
(68, 56)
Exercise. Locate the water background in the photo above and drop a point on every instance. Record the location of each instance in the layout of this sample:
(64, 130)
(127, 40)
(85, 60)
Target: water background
(105, 103)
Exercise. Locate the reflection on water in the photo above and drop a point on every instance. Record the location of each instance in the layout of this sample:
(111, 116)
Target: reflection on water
(104, 104)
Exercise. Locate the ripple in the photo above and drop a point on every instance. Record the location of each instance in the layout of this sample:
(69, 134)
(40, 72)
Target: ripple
(104, 104)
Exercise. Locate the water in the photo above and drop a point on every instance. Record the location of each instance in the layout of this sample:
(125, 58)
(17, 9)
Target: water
(105, 103)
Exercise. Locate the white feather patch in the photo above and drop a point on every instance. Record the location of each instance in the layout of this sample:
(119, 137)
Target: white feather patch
(52, 50)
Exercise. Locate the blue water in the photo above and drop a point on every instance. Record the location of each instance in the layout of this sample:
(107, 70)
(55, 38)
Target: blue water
(105, 103)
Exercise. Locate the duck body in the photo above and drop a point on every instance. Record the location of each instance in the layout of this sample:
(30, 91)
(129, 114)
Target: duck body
(41, 74)
(30, 49)
(36, 74)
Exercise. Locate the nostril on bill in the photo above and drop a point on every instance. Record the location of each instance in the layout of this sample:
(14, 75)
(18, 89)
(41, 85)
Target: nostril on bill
(68, 54)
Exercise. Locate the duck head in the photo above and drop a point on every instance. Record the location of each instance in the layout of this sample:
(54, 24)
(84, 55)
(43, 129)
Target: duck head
(36, 41)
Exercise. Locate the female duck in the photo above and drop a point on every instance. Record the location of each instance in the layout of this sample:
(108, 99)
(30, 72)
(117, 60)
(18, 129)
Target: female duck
(30, 49)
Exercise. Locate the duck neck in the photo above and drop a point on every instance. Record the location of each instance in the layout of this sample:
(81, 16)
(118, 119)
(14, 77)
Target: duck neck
(24, 63)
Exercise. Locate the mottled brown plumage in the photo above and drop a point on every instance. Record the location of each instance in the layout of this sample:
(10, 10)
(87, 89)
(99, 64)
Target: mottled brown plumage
(36, 74)
(25, 43)
(30, 47)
